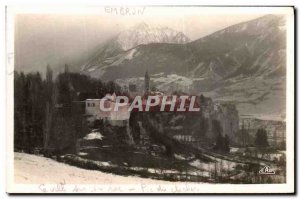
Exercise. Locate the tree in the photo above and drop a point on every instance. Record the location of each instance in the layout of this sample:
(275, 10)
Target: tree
(216, 127)
(112, 87)
(49, 98)
(261, 139)
(282, 145)
(100, 89)
(202, 99)
(45, 111)
(219, 142)
(226, 143)
(29, 107)
(62, 126)
(222, 143)
(135, 127)
(49, 74)
(204, 125)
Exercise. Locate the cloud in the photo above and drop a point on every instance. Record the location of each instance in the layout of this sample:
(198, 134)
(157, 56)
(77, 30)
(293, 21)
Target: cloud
(56, 39)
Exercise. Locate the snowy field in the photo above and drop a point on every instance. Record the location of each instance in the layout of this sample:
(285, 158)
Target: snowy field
(31, 169)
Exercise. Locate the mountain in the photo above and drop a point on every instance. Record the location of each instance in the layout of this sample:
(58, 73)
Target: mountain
(145, 34)
(251, 48)
(255, 47)
(244, 63)
(140, 34)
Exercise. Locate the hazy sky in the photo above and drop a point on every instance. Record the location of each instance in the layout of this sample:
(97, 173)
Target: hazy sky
(58, 38)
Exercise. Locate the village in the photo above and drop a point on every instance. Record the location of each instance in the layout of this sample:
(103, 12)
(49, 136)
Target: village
(241, 131)
(215, 119)
(211, 143)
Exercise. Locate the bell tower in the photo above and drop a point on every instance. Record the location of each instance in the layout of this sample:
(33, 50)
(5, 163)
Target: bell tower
(147, 83)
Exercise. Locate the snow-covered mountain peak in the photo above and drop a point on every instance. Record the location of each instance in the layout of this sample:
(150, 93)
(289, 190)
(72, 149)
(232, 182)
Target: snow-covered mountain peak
(143, 33)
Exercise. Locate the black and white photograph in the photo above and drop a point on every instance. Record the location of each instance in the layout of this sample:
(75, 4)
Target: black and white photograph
(150, 99)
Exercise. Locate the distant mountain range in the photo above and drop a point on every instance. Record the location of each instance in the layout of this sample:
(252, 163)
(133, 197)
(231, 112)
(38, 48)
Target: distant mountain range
(252, 48)
(244, 63)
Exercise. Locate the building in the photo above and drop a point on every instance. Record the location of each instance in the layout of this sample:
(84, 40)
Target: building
(184, 138)
(112, 117)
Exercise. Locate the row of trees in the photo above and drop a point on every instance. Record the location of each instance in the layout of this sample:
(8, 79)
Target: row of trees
(47, 111)
(29, 105)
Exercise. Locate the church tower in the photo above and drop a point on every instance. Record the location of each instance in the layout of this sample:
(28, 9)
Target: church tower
(147, 82)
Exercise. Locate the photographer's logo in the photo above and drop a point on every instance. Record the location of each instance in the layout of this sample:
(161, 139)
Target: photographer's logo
(266, 171)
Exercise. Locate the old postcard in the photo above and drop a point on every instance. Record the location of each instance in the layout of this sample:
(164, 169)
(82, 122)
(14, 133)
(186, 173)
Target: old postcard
(150, 99)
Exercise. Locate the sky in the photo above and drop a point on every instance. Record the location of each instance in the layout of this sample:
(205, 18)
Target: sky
(57, 38)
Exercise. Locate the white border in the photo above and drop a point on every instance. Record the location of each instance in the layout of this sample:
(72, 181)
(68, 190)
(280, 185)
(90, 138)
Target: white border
(201, 188)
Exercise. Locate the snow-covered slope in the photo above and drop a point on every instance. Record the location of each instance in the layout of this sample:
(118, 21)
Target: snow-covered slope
(31, 169)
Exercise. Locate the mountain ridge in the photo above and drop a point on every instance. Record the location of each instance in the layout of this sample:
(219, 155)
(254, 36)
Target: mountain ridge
(244, 63)
(219, 54)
